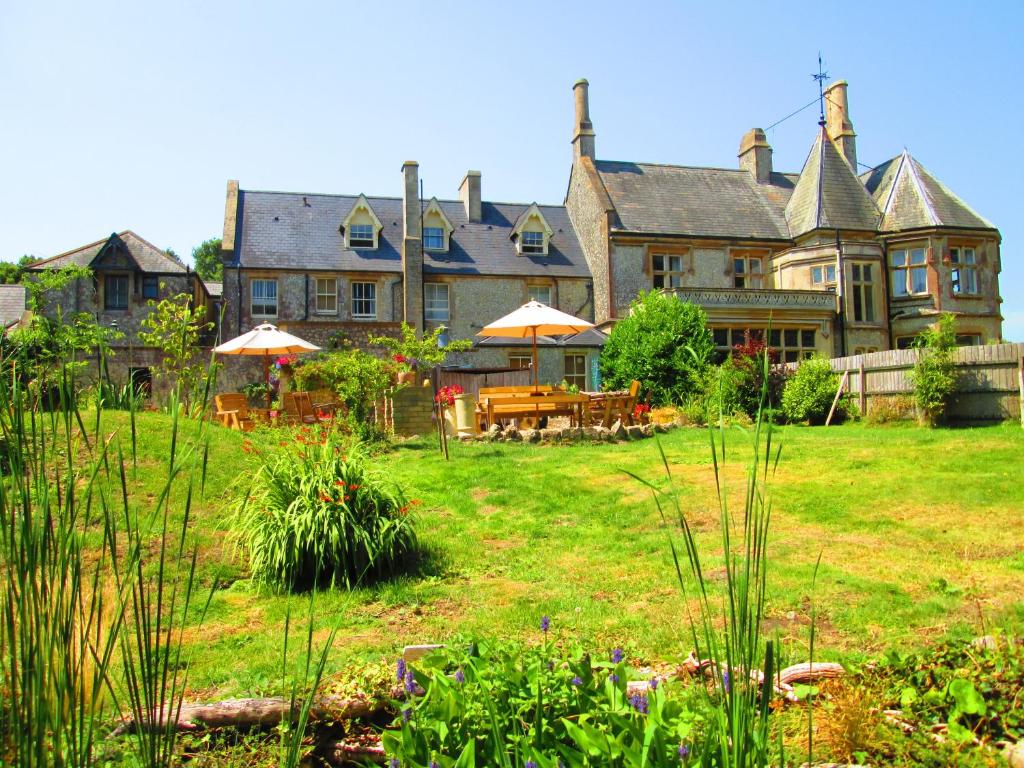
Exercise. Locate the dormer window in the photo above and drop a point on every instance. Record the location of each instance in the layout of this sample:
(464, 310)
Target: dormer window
(361, 227)
(433, 238)
(531, 232)
(360, 236)
(437, 228)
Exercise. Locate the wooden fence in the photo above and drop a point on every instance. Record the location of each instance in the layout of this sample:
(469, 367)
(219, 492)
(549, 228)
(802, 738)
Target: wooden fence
(990, 383)
(471, 379)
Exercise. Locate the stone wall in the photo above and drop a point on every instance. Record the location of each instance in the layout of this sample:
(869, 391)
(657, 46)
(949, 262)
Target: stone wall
(588, 210)
(412, 410)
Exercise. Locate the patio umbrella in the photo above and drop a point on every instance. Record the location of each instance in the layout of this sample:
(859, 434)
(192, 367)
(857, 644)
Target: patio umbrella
(265, 340)
(531, 319)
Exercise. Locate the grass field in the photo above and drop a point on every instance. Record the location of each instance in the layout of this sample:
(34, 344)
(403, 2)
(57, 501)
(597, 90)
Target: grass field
(918, 533)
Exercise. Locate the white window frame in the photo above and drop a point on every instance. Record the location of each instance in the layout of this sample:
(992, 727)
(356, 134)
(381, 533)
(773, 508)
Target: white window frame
(528, 242)
(744, 275)
(862, 289)
(263, 301)
(904, 264)
(667, 270)
(330, 293)
(434, 309)
(362, 241)
(434, 232)
(575, 377)
(969, 340)
(367, 297)
(823, 274)
(964, 272)
(535, 293)
(520, 362)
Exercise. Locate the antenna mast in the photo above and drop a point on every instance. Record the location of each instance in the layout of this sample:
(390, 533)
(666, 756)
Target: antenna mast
(821, 76)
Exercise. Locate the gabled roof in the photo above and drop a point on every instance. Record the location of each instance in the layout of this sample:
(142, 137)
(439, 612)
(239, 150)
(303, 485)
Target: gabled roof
(12, 305)
(283, 230)
(525, 216)
(912, 198)
(147, 256)
(362, 204)
(433, 206)
(828, 194)
(704, 202)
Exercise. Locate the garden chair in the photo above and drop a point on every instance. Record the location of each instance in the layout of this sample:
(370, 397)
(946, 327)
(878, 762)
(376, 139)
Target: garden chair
(233, 411)
(605, 408)
(305, 412)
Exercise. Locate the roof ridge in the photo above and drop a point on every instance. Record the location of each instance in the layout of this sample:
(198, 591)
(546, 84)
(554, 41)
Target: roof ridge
(343, 195)
(895, 180)
(819, 204)
(689, 167)
(156, 248)
(73, 250)
(925, 197)
(949, 191)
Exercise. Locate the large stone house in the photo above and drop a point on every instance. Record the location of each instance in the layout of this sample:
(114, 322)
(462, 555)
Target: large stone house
(331, 268)
(834, 261)
(127, 272)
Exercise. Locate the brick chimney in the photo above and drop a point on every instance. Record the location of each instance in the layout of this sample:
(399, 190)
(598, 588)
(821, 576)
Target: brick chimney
(838, 123)
(583, 131)
(469, 194)
(756, 155)
(412, 246)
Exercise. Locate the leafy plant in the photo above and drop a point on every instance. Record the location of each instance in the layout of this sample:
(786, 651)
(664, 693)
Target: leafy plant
(317, 515)
(357, 378)
(426, 351)
(256, 392)
(809, 393)
(934, 374)
(664, 343)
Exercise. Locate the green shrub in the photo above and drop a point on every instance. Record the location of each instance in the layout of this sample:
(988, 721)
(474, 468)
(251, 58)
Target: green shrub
(316, 515)
(664, 343)
(809, 393)
(357, 378)
(934, 374)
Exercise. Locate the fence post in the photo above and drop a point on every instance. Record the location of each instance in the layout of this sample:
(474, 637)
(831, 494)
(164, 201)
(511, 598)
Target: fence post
(863, 390)
(1020, 386)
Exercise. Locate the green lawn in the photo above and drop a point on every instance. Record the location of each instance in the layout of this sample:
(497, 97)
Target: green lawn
(918, 532)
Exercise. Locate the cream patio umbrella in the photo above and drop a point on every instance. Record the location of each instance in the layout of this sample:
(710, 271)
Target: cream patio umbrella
(265, 340)
(531, 319)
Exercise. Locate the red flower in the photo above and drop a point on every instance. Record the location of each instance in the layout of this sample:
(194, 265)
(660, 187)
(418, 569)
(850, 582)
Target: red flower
(246, 446)
(445, 396)
(340, 483)
(353, 487)
(416, 502)
(325, 497)
(399, 358)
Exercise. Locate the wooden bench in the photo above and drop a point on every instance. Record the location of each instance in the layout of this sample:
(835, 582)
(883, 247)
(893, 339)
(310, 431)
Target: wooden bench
(526, 406)
(233, 411)
(608, 407)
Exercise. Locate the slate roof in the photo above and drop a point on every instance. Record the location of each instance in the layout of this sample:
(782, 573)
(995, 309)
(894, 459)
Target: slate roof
(146, 255)
(284, 230)
(708, 202)
(912, 198)
(214, 289)
(12, 304)
(828, 194)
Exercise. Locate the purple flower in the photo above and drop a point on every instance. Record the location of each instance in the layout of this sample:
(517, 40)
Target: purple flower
(684, 751)
(410, 681)
(617, 656)
(400, 669)
(433, 764)
(613, 678)
(531, 764)
(460, 676)
(653, 684)
(639, 702)
(577, 681)
(393, 762)
(545, 623)
(725, 681)
(407, 714)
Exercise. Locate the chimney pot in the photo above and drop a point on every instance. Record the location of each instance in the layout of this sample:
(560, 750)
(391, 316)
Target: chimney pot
(756, 155)
(469, 194)
(838, 123)
(583, 132)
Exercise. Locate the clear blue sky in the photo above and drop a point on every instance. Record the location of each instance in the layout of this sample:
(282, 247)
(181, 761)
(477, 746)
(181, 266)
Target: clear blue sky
(134, 115)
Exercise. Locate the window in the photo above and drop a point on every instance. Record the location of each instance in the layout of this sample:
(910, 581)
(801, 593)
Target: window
(793, 344)
(532, 242)
(576, 371)
(863, 298)
(965, 274)
(264, 298)
(364, 300)
(433, 238)
(326, 296)
(909, 273)
(541, 293)
(667, 270)
(968, 339)
(435, 302)
(905, 342)
(150, 287)
(115, 292)
(361, 236)
(864, 350)
(746, 272)
(824, 275)
(520, 361)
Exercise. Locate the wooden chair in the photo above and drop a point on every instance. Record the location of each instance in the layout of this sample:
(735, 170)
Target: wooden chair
(606, 408)
(325, 401)
(299, 406)
(233, 411)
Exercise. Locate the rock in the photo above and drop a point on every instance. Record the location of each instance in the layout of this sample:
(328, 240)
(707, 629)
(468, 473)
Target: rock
(648, 430)
(635, 432)
(494, 429)
(985, 643)
(1014, 755)
(661, 429)
(530, 435)
(617, 431)
(512, 435)
(595, 433)
(415, 652)
(550, 435)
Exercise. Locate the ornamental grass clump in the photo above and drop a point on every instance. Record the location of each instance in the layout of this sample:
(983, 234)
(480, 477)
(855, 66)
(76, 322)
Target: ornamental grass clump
(315, 514)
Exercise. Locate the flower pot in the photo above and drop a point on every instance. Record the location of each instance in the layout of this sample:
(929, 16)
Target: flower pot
(465, 415)
(450, 425)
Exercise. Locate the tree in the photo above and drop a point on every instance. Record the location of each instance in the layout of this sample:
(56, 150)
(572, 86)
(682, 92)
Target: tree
(206, 260)
(11, 272)
(664, 343)
(934, 374)
(426, 352)
(174, 327)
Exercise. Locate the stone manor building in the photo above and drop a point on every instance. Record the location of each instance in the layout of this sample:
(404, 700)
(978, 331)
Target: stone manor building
(835, 260)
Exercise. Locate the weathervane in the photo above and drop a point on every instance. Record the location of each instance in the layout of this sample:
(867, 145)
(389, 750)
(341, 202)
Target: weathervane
(821, 76)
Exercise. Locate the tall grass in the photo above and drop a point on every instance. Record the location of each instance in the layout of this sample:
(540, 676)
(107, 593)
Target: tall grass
(96, 589)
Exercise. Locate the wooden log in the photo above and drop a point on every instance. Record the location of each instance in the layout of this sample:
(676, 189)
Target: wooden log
(809, 673)
(835, 401)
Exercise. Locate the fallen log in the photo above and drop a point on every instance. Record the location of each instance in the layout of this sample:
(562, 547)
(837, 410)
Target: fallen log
(810, 672)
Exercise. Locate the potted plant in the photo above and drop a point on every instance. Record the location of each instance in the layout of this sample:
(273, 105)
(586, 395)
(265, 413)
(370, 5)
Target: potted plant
(412, 352)
(445, 399)
(641, 413)
(406, 369)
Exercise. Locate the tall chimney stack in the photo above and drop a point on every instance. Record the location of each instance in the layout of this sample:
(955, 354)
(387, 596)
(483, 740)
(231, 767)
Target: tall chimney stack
(412, 246)
(583, 132)
(838, 123)
(469, 194)
(756, 155)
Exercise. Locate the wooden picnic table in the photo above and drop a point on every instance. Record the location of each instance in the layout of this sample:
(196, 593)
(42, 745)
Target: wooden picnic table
(518, 405)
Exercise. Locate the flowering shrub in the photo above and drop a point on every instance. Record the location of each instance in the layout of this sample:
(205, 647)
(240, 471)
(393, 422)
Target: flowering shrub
(498, 704)
(318, 515)
(640, 410)
(445, 396)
